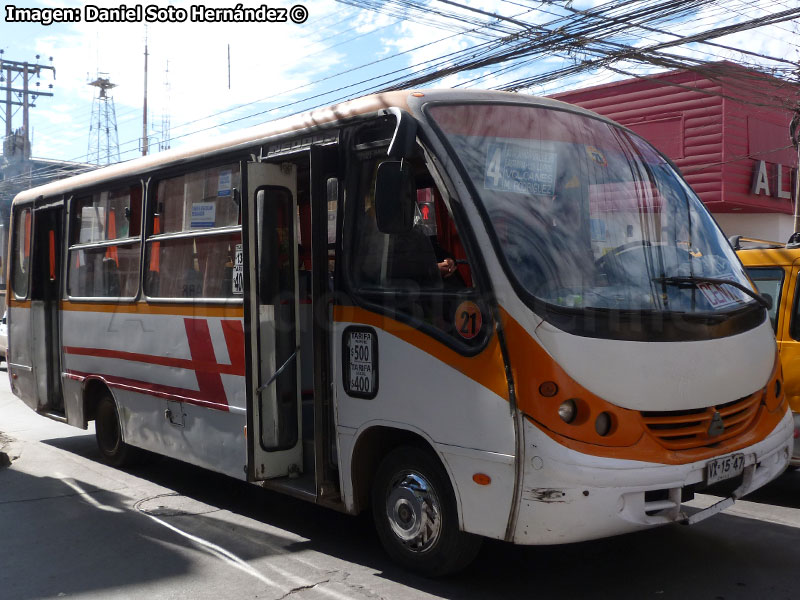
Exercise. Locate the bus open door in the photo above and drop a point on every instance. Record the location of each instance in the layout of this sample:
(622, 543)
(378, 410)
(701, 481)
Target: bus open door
(272, 322)
(34, 361)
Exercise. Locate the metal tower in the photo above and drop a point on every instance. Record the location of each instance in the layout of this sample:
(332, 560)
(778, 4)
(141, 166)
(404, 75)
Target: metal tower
(165, 117)
(103, 138)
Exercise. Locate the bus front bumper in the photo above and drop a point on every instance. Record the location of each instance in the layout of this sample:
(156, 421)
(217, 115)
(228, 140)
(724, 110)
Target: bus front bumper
(569, 497)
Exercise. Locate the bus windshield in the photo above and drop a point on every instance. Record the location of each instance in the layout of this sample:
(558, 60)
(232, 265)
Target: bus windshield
(588, 215)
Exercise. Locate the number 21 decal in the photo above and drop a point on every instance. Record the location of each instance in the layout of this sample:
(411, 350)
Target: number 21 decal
(468, 320)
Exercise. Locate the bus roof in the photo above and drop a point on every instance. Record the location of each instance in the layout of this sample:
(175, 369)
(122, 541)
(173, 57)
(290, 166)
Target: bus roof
(299, 122)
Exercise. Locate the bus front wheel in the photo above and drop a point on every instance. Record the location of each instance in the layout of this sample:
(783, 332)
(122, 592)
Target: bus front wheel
(113, 450)
(415, 514)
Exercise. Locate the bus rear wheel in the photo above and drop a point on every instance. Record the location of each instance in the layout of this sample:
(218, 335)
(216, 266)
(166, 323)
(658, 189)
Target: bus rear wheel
(113, 450)
(415, 514)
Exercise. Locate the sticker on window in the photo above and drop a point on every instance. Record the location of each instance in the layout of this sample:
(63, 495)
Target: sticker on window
(203, 214)
(718, 296)
(360, 362)
(224, 185)
(520, 169)
(468, 320)
(238, 271)
(596, 156)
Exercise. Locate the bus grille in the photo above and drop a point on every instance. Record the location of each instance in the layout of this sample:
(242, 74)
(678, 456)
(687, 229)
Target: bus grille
(686, 429)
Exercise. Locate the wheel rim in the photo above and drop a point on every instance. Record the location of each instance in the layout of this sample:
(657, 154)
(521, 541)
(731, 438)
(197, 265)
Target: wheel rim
(414, 511)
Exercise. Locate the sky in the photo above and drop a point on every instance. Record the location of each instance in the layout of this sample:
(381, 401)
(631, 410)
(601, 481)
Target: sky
(275, 69)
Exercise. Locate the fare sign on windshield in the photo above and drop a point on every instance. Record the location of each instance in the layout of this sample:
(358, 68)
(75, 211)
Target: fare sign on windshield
(520, 169)
(718, 296)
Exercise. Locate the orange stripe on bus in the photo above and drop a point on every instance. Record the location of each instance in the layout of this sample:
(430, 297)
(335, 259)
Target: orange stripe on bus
(485, 368)
(145, 308)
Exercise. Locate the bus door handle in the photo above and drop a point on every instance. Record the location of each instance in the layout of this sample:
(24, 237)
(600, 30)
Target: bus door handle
(279, 371)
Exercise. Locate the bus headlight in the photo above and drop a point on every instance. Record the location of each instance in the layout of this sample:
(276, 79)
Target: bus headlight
(567, 411)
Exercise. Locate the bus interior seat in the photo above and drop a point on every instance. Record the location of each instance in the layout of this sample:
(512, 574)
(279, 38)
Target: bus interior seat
(151, 282)
(192, 283)
(110, 277)
(81, 282)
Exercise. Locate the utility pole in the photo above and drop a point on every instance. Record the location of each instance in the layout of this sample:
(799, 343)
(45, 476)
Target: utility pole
(144, 109)
(794, 134)
(15, 79)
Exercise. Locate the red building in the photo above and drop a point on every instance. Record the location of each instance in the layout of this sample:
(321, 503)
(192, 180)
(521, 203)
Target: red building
(727, 129)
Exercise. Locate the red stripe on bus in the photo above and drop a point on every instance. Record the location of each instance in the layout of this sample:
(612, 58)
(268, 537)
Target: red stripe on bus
(163, 361)
(234, 340)
(202, 351)
(204, 363)
(198, 398)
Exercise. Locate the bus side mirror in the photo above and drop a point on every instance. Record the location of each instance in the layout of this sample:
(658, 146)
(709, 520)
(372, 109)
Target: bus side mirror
(394, 197)
(405, 134)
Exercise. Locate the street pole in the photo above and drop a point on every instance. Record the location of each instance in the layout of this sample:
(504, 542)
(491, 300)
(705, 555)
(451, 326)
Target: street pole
(794, 134)
(144, 109)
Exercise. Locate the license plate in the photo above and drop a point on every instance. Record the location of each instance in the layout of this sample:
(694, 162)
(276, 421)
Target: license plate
(724, 468)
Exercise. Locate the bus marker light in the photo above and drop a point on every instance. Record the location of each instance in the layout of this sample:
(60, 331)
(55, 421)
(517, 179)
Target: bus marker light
(548, 389)
(481, 479)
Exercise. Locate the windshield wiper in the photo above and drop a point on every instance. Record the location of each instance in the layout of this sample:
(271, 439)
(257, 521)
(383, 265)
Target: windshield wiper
(690, 281)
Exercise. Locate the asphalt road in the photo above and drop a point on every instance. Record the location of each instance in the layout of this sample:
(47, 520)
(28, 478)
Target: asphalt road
(73, 527)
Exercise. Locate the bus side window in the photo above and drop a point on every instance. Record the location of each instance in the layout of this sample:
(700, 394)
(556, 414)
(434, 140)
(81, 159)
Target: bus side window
(794, 323)
(422, 275)
(193, 235)
(769, 282)
(21, 252)
(96, 269)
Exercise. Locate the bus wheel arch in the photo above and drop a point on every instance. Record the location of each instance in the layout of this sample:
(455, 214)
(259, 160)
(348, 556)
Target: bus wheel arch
(381, 456)
(370, 448)
(101, 406)
(93, 390)
(416, 515)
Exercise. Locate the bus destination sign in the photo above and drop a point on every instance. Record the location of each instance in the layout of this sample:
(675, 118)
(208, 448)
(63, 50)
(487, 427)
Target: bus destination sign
(519, 169)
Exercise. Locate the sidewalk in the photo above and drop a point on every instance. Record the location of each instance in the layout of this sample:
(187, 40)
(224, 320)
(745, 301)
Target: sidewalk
(7, 453)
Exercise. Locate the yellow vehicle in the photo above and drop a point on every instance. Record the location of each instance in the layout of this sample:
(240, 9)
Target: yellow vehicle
(774, 269)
